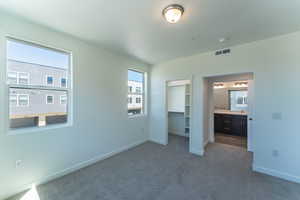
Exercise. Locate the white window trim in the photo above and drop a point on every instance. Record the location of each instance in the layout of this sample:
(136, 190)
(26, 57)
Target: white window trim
(18, 101)
(28, 77)
(60, 99)
(28, 102)
(144, 94)
(18, 76)
(61, 82)
(49, 95)
(46, 80)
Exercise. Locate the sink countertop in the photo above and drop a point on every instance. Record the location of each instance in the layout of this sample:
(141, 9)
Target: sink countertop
(228, 112)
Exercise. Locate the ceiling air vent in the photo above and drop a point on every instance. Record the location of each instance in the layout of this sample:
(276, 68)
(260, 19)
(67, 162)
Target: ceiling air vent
(222, 51)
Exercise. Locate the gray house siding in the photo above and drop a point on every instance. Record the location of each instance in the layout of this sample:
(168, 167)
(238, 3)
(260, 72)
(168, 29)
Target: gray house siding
(37, 108)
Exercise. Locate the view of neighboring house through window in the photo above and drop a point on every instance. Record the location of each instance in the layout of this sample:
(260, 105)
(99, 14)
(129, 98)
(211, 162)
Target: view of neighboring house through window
(37, 81)
(136, 85)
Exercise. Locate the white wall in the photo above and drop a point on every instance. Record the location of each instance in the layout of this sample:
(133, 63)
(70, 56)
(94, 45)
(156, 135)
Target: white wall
(176, 123)
(101, 125)
(176, 98)
(275, 63)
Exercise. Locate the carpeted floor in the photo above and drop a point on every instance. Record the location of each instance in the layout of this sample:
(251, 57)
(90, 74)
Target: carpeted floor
(155, 172)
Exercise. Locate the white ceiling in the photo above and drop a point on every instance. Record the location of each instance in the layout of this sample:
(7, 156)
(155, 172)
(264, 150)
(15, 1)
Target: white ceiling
(137, 28)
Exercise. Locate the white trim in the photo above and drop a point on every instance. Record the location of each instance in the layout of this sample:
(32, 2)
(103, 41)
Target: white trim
(143, 94)
(28, 77)
(73, 168)
(18, 101)
(69, 88)
(205, 143)
(18, 77)
(28, 100)
(276, 173)
(197, 152)
(48, 95)
(46, 80)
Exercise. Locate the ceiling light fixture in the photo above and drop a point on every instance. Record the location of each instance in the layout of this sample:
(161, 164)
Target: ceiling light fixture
(173, 13)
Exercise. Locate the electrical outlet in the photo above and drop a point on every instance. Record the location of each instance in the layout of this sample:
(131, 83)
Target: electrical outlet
(275, 153)
(19, 163)
(277, 116)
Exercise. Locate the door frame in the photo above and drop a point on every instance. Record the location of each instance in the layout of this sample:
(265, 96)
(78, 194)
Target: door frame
(166, 132)
(251, 105)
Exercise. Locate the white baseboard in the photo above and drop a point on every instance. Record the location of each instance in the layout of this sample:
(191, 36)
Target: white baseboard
(197, 152)
(158, 142)
(275, 173)
(177, 133)
(72, 169)
(205, 143)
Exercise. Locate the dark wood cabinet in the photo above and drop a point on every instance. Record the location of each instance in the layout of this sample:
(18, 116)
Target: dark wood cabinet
(231, 124)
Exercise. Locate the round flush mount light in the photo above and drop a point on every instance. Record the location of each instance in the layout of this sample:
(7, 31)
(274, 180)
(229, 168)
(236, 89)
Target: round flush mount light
(173, 13)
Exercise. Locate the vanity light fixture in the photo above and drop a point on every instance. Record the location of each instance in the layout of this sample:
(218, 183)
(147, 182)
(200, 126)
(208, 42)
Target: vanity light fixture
(218, 85)
(241, 84)
(173, 13)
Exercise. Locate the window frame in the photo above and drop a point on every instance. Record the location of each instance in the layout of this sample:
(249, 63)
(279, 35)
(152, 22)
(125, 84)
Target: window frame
(46, 80)
(61, 78)
(49, 95)
(10, 95)
(143, 93)
(60, 99)
(68, 89)
(18, 99)
(28, 78)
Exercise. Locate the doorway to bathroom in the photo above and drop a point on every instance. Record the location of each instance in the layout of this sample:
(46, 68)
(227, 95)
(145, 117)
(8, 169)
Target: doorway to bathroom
(230, 110)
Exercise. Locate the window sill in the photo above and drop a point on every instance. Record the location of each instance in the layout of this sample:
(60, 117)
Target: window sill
(21, 131)
(137, 116)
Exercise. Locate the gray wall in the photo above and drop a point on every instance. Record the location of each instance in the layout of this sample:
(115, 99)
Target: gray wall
(100, 127)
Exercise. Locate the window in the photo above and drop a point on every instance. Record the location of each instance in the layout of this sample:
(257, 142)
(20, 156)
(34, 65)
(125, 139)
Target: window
(129, 99)
(49, 80)
(23, 78)
(23, 100)
(138, 100)
(13, 100)
(136, 80)
(129, 88)
(238, 100)
(12, 77)
(138, 90)
(49, 99)
(63, 99)
(28, 103)
(63, 82)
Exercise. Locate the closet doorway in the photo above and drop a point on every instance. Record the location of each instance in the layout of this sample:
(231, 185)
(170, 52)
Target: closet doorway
(179, 105)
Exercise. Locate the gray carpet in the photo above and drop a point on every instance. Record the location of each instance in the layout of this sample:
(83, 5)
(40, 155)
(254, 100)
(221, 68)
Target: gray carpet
(155, 172)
